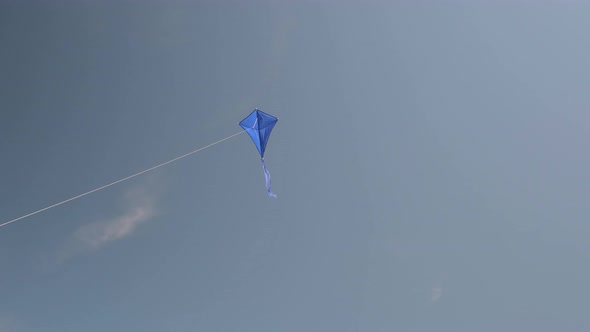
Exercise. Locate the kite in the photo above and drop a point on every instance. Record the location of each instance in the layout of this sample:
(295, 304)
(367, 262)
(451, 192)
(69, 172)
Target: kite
(259, 125)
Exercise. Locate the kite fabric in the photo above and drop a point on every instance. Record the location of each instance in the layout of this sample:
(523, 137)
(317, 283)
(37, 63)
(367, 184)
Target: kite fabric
(259, 125)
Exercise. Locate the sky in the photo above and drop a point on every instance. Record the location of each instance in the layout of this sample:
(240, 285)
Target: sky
(429, 162)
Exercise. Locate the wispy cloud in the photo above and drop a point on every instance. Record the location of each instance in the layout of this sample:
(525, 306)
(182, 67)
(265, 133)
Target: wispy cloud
(138, 208)
(100, 233)
(436, 294)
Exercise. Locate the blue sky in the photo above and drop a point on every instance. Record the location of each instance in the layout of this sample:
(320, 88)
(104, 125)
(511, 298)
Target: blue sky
(429, 163)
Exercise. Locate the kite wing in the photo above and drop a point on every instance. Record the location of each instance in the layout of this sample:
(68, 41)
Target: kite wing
(259, 125)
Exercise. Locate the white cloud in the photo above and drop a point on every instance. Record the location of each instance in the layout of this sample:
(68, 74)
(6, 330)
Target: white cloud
(436, 294)
(100, 233)
(139, 207)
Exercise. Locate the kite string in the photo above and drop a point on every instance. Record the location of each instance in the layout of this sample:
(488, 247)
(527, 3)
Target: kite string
(118, 181)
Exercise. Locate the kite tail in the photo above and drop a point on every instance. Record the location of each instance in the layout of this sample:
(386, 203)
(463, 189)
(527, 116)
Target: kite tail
(267, 176)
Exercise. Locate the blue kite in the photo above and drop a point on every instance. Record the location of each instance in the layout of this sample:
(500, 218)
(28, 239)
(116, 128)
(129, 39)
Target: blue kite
(259, 125)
